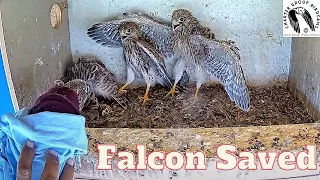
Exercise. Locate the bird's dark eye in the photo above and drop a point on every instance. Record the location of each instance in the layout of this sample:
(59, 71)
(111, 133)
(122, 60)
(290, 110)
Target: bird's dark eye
(181, 19)
(128, 30)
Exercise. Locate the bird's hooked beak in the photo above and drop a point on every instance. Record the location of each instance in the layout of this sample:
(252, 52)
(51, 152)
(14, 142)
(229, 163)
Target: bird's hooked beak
(175, 25)
(123, 35)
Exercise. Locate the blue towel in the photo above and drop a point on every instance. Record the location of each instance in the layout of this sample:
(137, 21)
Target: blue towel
(64, 133)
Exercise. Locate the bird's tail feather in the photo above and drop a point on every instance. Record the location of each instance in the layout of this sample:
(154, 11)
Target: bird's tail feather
(121, 100)
(167, 81)
(183, 82)
(111, 93)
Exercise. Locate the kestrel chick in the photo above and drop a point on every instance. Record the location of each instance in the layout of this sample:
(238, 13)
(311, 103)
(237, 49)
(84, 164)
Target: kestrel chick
(101, 81)
(85, 96)
(159, 32)
(210, 58)
(142, 59)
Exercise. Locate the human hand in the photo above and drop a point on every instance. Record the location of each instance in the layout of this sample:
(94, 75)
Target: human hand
(51, 169)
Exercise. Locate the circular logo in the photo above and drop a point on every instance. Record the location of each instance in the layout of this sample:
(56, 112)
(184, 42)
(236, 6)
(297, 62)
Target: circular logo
(301, 16)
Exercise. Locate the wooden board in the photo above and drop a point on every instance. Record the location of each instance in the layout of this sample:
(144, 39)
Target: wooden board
(262, 138)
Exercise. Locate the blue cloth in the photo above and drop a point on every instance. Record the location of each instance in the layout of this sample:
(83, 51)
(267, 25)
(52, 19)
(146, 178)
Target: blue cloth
(64, 133)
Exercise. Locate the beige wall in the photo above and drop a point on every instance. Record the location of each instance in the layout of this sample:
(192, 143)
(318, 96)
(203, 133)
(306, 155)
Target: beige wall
(36, 52)
(304, 76)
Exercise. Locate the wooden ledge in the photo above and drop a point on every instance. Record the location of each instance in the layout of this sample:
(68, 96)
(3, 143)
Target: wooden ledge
(264, 138)
(279, 137)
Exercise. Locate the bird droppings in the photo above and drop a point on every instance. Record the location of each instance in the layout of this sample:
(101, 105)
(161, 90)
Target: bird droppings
(55, 47)
(39, 61)
(256, 145)
(287, 142)
(279, 107)
(168, 135)
(60, 67)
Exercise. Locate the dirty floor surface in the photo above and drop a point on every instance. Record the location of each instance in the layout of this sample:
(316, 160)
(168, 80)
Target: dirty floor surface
(269, 106)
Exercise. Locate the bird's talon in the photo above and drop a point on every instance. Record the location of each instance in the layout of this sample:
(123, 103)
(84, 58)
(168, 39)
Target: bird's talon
(122, 91)
(195, 97)
(171, 92)
(144, 98)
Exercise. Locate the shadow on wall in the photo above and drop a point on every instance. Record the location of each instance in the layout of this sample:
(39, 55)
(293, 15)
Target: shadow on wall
(6, 104)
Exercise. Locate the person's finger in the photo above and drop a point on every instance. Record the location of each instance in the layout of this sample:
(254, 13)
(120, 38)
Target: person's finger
(51, 169)
(68, 170)
(25, 161)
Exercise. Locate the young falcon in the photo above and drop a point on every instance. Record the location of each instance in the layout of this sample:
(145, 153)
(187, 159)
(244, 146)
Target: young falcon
(210, 58)
(85, 96)
(142, 59)
(158, 32)
(101, 81)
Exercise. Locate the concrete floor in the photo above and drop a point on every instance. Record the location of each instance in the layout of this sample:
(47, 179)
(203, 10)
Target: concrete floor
(254, 26)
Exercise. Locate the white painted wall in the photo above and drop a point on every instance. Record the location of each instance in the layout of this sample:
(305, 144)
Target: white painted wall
(304, 75)
(256, 27)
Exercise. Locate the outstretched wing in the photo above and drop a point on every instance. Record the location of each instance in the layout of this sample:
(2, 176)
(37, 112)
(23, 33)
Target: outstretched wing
(107, 34)
(294, 20)
(307, 17)
(222, 62)
(157, 61)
